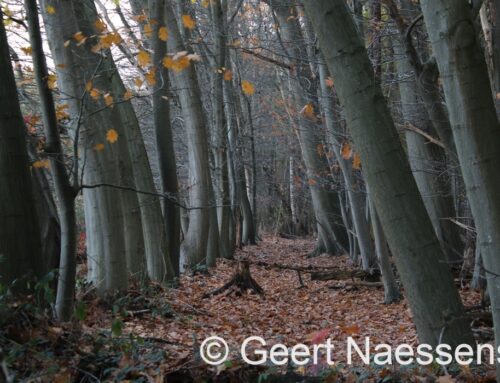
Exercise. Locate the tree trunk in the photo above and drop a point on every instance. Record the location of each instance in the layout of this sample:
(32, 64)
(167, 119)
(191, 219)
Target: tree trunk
(325, 202)
(426, 162)
(194, 248)
(19, 236)
(476, 129)
(64, 190)
(76, 66)
(164, 140)
(428, 283)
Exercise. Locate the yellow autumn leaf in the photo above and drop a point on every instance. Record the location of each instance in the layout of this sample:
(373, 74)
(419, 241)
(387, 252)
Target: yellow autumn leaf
(188, 22)
(148, 30)
(109, 39)
(228, 75)
(346, 151)
(99, 147)
(100, 25)
(176, 64)
(163, 33)
(151, 77)
(50, 9)
(61, 112)
(138, 82)
(308, 110)
(41, 164)
(27, 50)
(143, 58)
(108, 99)
(111, 136)
(247, 87)
(205, 3)
(95, 93)
(356, 161)
(51, 81)
(79, 38)
(128, 95)
(89, 85)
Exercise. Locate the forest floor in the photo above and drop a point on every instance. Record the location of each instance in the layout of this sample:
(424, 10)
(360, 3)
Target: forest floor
(155, 335)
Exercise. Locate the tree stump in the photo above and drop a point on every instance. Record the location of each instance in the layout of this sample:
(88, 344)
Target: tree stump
(241, 281)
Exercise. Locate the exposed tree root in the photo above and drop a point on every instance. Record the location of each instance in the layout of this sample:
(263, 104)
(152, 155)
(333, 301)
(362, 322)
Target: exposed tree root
(242, 281)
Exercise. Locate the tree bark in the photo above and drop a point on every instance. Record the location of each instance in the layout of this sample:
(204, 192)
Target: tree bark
(65, 192)
(476, 129)
(428, 283)
(19, 236)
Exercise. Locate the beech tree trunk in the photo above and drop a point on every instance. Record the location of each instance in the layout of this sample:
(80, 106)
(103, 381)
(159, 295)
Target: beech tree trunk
(425, 160)
(20, 246)
(428, 283)
(333, 236)
(65, 192)
(476, 129)
(194, 249)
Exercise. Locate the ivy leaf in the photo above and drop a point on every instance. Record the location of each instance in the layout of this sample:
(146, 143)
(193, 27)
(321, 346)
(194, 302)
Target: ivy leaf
(80, 310)
(117, 327)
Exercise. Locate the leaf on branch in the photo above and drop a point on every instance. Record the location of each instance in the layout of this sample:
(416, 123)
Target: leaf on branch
(163, 33)
(148, 30)
(308, 110)
(247, 87)
(346, 151)
(188, 21)
(52, 81)
(108, 99)
(27, 50)
(128, 95)
(177, 63)
(111, 136)
(143, 58)
(41, 164)
(99, 147)
(356, 162)
(228, 75)
(95, 93)
(50, 10)
(80, 38)
(100, 26)
(329, 82)
(151, 77)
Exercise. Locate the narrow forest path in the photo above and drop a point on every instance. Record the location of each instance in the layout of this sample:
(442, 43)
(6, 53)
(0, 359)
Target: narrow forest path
(285, 313)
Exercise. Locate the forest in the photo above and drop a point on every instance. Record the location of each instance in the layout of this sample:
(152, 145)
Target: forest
(249, 191)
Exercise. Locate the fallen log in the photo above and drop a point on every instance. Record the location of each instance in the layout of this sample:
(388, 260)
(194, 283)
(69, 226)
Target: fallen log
(341, 275)
(356, 284)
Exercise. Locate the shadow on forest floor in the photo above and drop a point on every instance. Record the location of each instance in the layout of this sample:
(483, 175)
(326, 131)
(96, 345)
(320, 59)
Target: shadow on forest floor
(154, 336)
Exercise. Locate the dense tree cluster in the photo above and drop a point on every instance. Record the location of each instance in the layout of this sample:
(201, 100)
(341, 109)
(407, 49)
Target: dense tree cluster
(169, 133)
